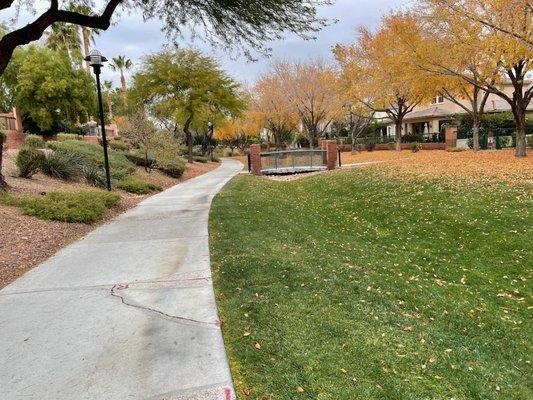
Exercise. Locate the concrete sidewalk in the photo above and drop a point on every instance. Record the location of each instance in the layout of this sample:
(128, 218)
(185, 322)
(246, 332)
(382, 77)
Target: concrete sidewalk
(128, 312)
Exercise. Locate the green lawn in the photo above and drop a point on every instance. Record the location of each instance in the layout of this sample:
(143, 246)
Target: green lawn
(355, 285)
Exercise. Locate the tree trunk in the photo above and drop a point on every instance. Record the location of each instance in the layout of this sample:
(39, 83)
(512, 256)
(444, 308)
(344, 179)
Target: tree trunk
(475, 133)
(520, 117)
(146, 160)
(399, 135)
(122, 81)
(188, 139)
(3, 183)
(86, 33)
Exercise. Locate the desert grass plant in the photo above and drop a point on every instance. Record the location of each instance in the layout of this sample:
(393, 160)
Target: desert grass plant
(28, 161)
(83, 206)
(89, 153)
(35, 141)
(61, 164)
(94, 175)
(138, 186)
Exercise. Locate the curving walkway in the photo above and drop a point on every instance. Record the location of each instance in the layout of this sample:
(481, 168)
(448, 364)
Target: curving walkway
(128, 312)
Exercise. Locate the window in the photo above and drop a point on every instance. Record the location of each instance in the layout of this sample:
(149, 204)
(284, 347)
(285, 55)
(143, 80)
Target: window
(438, 100)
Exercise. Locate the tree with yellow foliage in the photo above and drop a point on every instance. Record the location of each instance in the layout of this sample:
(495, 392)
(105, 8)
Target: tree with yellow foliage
(502, 57)
(378, 71)
(427, 50)
(312, 93)
(273, 108)
(511, 17)
(239, 132)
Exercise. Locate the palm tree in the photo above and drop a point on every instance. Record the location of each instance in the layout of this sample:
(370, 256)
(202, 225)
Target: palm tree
(64, 37)
(108, 85)
(87, 34)
(121, 63)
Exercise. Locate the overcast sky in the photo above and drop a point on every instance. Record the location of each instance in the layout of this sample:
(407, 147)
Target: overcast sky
(135, 38)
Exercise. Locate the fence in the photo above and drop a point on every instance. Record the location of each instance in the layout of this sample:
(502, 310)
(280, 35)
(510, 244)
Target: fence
(290, 161)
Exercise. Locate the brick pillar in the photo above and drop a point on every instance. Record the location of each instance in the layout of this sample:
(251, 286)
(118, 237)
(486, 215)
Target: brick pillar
(255, 159)
(331, 154)
(450, 135)
(18, 121)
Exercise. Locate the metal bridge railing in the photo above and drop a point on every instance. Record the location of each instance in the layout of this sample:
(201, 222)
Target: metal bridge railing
(280, 162)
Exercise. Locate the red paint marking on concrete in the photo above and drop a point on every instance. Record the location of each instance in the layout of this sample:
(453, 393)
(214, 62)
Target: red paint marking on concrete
(217, 323)
(227, 392)
(122, 286)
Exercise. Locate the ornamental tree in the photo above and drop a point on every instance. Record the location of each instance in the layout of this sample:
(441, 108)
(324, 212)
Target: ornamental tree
(312, 93)
(510, 56)
(49, 90)
(185, 88)
(273, 107)
(377, 71)
(225, 22)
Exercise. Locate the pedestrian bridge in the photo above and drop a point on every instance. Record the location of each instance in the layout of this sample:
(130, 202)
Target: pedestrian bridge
(293, 161)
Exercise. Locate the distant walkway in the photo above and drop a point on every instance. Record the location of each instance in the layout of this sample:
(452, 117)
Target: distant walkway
(126, 313)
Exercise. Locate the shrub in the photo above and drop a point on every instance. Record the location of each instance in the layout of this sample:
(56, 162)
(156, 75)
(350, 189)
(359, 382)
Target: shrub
(84, 206)
(200, 159)
(35, 141)
(138, 186)
(370, 145)
(61, 164)
(415, 147)
(215, 159)
(119, 145)
(28, 161)
(529, 140)
(455, 149)
(89, 153)
(94, 175)
(138, 159)
(61, 137)
(52, 144)
(174, 168)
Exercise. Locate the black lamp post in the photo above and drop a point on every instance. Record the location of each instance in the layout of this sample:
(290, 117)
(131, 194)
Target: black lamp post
(211, 128)
(96, 60)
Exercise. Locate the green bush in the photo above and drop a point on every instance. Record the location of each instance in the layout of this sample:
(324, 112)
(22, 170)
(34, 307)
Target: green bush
(35, 141)
(174, 168)
(119, 145)
(61, 164)
(139, 159)
(61, 137)
(28, 161)
(215, 159)
(415, 147)
(370, 145)
(138, 186)
(86, 206)
(52, 144)
(89, 153)
(200, 159)
(94, 175)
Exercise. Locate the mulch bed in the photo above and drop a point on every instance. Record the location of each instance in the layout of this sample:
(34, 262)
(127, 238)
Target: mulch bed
(27, 241)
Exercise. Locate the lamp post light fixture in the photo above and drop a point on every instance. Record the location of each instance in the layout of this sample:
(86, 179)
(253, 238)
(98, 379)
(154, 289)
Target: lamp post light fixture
(96, 61)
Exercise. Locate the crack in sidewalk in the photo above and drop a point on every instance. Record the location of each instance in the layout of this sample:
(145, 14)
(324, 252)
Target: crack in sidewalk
(188, 321)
